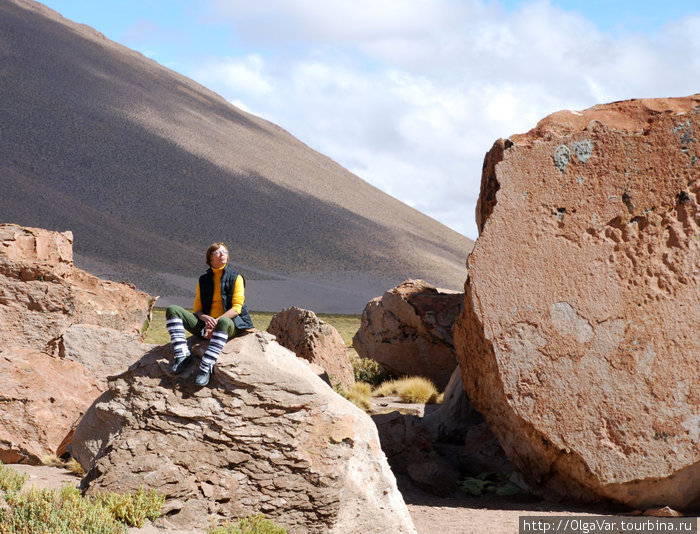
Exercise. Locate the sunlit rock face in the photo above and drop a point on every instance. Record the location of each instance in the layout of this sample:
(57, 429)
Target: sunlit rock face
(266, 435)
(408, 330)
(579, 337)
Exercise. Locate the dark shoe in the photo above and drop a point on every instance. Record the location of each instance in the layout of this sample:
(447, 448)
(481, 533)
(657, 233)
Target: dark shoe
(202, 378)
(181, 363)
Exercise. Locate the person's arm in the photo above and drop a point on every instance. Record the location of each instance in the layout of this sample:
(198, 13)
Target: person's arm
(238, 299)
(197, 306)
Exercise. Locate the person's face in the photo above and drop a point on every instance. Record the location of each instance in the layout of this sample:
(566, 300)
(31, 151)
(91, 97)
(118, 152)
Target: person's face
(219, 258)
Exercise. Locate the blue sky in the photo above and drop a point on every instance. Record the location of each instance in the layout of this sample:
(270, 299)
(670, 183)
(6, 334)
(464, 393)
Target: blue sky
(410, 94)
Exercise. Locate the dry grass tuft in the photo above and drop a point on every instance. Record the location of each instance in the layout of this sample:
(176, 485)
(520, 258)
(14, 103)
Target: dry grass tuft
(71, 465)
(414, 389)
(74, 467)
(359, 394)
(51, 460)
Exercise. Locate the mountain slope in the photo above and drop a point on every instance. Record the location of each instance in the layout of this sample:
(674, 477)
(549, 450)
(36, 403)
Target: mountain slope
(146, 167)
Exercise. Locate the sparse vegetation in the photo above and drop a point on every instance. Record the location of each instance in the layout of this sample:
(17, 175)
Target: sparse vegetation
(132, 508)
(71, 464)
(359, 394)
(368, 370)
(55, 512)
(497, 482)
(10, 480)
(346, 325)
(65, 511)
(254, 524)
(410, 389)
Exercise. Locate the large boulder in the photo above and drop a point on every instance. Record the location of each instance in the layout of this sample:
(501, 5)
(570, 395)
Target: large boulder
(64, 331)
(266, 435)
(314, 340)
(42, 399)
(579, 337)
(42, 293)
(408, 330)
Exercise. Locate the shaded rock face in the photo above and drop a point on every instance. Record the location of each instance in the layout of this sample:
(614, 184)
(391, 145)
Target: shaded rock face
(408, 330)
(451, 421)
(579, 337)
(314, 340)
(409, 449)
(436, 449)
(266, 435)
(63, 331)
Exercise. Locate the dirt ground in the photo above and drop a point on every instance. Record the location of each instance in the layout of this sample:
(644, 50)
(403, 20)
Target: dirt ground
(462, 514)
(431, 514)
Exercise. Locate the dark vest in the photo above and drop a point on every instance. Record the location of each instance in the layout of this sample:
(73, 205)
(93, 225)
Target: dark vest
(228, 280)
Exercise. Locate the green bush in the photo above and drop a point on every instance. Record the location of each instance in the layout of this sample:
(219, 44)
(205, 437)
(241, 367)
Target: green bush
(55, 512)
(10, 480)
(132, 508)
(497, 482)
(368, 371)
(65, 511)
(254, 524)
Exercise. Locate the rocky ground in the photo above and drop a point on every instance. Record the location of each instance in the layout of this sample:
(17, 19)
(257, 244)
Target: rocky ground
(431, 514)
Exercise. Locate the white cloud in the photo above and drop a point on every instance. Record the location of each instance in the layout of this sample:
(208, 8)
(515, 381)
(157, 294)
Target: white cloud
(410, 95)
(242, 76)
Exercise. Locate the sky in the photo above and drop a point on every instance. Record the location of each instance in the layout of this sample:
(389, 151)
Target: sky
(410, 94)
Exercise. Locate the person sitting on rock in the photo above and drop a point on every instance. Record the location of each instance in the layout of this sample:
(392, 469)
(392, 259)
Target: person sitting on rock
(219, 313)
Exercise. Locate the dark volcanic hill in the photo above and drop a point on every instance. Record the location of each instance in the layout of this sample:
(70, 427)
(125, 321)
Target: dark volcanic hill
(147, 167)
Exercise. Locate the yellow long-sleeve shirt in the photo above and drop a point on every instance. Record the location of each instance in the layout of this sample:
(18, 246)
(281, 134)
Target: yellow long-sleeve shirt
(217, 309)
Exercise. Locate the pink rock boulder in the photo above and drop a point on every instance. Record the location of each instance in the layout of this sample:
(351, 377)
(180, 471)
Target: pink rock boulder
(315, 341)
(580, 336)
(408, 330)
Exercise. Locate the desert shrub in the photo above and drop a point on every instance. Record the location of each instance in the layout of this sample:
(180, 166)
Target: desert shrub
(65, 511)
(368, 370)
(10, 480)
(254, 524)
(74, 467)
(132, 508)
(411, 389)
(52, 460)
(55, 512)
(71, 465)
(359, 394)
(497, 482)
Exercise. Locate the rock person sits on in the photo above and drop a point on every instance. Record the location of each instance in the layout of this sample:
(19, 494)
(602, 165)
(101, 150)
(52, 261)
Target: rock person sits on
(219, 313)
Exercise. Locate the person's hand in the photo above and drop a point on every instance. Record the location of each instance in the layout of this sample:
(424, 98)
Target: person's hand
(209, 324)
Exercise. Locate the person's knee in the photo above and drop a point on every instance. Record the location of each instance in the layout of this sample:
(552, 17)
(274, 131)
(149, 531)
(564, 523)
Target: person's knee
(224, 324)
(173, 311)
